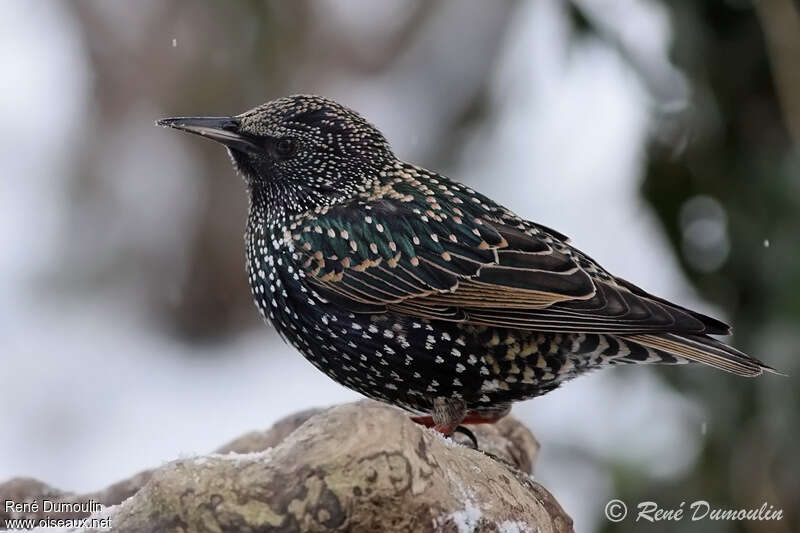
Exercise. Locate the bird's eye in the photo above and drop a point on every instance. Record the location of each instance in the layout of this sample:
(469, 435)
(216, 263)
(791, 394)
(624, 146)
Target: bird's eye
(284, 147)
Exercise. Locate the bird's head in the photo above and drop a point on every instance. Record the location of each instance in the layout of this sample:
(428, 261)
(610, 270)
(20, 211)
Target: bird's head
(298, 152)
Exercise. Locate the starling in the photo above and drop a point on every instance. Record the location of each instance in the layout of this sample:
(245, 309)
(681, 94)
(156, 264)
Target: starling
(418, 291)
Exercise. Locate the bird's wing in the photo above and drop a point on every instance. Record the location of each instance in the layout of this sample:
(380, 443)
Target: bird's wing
(481, 270)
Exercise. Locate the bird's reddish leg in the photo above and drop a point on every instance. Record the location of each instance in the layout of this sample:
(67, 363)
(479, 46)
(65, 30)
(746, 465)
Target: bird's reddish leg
(446, 415)
(471, 418)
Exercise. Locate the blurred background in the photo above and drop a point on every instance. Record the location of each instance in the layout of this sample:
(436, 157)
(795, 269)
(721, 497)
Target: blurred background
(663, 137)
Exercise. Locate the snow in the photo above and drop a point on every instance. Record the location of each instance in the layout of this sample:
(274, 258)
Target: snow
(465, 519)
(263, 456)
(515, 526)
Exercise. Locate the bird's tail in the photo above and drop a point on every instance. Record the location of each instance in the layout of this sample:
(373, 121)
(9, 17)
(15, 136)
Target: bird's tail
(706, 350)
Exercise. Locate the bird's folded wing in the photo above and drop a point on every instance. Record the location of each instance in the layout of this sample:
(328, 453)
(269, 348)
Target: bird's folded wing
(471, 269)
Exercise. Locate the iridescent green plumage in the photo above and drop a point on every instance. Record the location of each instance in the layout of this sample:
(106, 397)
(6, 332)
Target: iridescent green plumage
(417, 239)
(419, 291)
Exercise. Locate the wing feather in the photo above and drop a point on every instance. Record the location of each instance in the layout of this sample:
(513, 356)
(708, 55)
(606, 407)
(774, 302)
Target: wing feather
(477, 269)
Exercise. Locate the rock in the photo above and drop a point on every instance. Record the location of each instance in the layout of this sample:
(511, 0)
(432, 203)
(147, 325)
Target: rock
(359, 467)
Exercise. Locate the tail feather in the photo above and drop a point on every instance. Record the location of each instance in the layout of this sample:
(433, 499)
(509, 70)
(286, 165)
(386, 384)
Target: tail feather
(706, 350)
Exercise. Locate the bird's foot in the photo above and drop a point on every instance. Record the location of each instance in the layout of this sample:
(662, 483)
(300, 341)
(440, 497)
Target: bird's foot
(450, 414)
(448, 430)
(447, 419)
(470, 435)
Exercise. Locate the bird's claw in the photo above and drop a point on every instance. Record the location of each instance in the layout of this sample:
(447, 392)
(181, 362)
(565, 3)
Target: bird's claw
(470, 435)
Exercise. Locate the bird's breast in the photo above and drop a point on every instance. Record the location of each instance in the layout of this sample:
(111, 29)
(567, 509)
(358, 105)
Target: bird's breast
(278, 285)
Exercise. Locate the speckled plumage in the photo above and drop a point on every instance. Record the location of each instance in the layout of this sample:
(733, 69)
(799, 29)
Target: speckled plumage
(416, 290)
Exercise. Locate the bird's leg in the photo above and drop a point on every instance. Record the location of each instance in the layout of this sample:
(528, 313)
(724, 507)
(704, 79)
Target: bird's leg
(470, 418)
(446, 417)
(426, 421)
(489, 416)
(449, 415)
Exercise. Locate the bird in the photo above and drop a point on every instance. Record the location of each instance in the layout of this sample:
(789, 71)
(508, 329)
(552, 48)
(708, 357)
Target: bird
(419, 291)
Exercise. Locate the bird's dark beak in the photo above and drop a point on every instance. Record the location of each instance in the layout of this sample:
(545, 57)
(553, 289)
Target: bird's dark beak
(225, 130)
